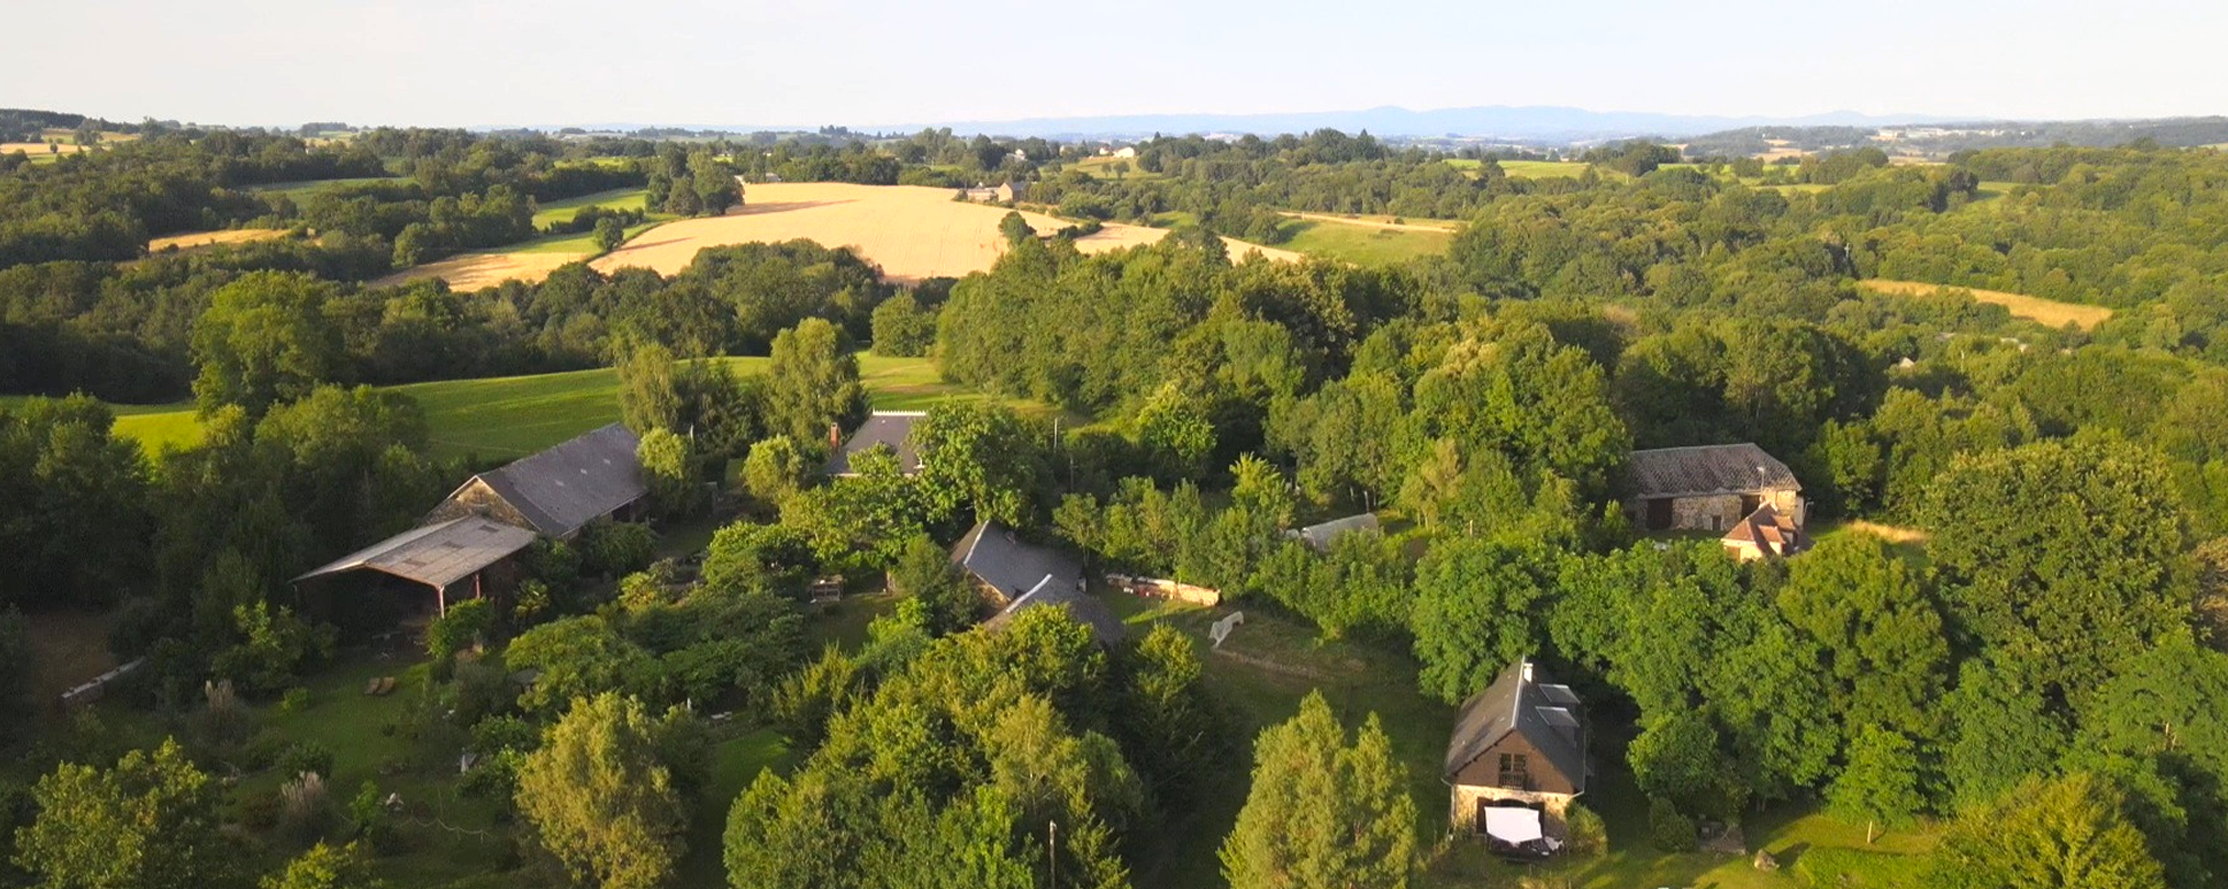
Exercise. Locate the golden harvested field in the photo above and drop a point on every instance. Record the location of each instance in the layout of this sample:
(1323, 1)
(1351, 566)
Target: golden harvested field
(1439, 226)
(471, 271)
(35, 149)
(2034, 308)
(912, 232)
(192, 240)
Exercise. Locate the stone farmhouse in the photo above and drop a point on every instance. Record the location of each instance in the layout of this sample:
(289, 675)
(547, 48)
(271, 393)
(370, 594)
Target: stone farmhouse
(1517, 759)
(1736, 488)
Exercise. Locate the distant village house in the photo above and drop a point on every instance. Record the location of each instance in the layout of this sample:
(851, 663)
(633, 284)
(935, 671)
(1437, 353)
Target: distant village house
(1002, 193)
(1517, 759)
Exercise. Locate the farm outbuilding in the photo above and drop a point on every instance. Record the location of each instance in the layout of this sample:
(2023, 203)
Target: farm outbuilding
(1319, 536)
(463, 548)
(1018, 575)
(882, 429)
(1517, 759)
(1709, 487)
(558, 491)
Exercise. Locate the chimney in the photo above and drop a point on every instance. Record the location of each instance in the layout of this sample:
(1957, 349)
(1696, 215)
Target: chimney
(1527, 669)
(835, 437)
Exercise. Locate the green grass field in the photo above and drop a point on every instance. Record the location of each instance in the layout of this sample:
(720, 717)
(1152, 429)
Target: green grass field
(616, 199)
(499, 418)
(1362, 244)
(1527, 169)
(300, 191)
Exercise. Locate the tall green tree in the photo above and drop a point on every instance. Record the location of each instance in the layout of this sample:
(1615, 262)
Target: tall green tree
(1879, 633)
(2062, 556)
(1880, 783)
(264, 339)
(812, 382)
(1474, 613)
(599, 798)
(148, 823)
(2055, 834)
(1323, 814)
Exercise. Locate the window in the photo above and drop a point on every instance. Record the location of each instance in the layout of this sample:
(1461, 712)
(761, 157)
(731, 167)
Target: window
(1514, 772)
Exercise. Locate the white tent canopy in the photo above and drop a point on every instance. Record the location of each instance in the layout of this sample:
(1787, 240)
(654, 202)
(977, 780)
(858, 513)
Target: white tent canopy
(1510, 824)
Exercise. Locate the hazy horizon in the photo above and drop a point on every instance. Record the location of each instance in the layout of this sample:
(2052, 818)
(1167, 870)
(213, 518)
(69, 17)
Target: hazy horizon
(889, 63)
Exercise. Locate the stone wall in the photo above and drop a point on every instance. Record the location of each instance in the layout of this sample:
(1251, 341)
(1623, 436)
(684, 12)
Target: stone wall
(1717, 512)
(1463, 818)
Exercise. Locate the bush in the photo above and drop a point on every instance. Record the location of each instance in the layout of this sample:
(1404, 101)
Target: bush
(305, 808)
(466, 624)
(1589, 837)
(306, 757)
(1856, 868)
(1671, 831)
(612, 549)
(257, 810)
(296, 700)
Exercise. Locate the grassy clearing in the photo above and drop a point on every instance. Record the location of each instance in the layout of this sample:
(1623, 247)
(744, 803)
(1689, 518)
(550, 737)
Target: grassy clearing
(736, 762)
(1526, 169)
(302, 190)
(501, 418)
(1909, 544)
(2048, 312)
(616, 199)
(1103, 167)
(197, 240)
(1364, 244)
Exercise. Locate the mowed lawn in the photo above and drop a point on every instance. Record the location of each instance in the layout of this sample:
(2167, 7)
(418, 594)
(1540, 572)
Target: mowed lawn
(501, 418)
(1363, 244)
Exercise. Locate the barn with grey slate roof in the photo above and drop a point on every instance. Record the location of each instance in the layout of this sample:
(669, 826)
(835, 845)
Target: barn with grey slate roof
(882, 429)
(1708, 487)
(558, 491)
(1020, 575)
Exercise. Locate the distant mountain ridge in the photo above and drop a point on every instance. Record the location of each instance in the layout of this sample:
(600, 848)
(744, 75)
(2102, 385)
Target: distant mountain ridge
(1512, 122)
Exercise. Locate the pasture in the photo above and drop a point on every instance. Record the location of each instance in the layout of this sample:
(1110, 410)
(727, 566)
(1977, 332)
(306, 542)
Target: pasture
(911, 232)
(1364, 243)
(304, 189)
(501, 418)
(616, 199)
(1526, 169)
(2048, 312)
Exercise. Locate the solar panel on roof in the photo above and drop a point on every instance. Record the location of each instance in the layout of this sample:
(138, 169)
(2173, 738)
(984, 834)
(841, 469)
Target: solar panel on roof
(1558, 717)
(1560, 694)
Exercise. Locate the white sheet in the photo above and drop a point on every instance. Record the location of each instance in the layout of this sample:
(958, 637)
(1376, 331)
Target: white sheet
(1513, 825)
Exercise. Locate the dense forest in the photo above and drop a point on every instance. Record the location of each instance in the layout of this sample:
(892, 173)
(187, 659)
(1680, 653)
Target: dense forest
(2042, 672)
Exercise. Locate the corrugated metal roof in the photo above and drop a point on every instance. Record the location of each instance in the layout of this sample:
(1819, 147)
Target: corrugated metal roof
(563, 488)
(1516, 703)
(1708, 469)
(438, 554)
(1320, 536)
(891, 429)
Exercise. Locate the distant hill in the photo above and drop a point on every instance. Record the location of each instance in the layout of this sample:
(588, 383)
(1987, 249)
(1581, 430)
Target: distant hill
(1942, 138)
(1540, 123)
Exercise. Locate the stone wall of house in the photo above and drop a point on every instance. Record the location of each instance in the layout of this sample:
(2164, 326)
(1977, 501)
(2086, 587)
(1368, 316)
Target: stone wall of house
(477, 498)
(1718, 512)
(1464, 816)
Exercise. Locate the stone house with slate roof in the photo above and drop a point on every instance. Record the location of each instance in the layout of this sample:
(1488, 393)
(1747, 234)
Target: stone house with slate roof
(1017, 575)
(1518, 745)
(1710, 488)
(890, 429)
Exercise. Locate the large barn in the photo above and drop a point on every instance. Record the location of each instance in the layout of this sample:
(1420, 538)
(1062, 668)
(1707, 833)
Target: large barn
(463, 549)
(882, 429)
(1709, 488)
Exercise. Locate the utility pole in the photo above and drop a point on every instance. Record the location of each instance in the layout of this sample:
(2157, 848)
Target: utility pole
(1052, 829)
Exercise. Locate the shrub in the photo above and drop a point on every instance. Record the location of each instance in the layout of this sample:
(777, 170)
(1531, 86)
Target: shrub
(257, 810)
(1856, 868)
(306, 757)
(295, 701)
(1671, 831)
(1589, 837)
(305, 808)
(466, 624)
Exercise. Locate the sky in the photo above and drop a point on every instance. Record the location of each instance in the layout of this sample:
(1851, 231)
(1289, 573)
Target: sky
(869, 63)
